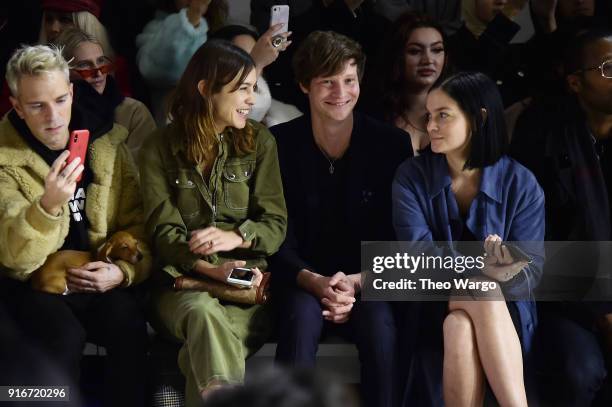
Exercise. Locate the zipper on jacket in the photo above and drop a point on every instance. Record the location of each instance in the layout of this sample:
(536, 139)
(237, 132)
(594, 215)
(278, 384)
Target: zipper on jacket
(216, 186)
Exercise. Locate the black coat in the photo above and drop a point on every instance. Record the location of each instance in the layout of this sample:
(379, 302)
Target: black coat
(375, 151)
(492, 54)
(552, 139)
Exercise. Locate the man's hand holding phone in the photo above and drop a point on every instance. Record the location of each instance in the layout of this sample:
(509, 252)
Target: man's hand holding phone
(60, 183)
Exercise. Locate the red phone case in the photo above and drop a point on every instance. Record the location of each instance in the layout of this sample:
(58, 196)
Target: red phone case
(77, 145)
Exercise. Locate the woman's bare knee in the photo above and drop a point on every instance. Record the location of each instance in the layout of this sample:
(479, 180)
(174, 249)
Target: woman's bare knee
(479, 309)
(458, 330)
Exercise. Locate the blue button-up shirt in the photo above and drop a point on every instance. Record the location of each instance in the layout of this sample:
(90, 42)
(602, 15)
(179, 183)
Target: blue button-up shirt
(510, 203)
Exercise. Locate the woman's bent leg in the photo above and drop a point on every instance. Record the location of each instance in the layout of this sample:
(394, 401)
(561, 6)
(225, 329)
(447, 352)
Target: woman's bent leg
(463, 377)
(216, 338)
(499, 348)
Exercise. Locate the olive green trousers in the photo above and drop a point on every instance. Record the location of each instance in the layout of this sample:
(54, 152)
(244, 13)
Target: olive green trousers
(217, 337)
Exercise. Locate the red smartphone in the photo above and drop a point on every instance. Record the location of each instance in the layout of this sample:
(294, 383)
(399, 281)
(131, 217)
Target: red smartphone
(77, 145)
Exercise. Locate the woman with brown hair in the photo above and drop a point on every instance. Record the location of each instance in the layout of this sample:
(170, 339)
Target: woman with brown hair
(214, 202)
(412, 59)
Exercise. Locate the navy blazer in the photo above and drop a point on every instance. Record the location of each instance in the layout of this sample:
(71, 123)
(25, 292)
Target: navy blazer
(510, 203)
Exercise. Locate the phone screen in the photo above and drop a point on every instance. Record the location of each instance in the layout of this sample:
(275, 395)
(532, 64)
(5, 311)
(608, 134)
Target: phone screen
(243, 274)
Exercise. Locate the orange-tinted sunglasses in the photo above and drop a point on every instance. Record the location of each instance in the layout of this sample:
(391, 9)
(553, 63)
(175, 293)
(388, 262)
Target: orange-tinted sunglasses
(90, 73)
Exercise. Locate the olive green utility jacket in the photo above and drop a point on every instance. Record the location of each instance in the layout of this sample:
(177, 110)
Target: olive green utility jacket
(244, 194)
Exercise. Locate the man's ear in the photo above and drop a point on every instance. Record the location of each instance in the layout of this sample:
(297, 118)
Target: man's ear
(202, 87)
(304, 89)
(16, 106)
(574, 83)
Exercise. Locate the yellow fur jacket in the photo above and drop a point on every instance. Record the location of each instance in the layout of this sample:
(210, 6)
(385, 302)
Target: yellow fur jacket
(28, 234)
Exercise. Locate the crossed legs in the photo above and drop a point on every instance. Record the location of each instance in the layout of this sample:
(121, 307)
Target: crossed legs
(481, 341)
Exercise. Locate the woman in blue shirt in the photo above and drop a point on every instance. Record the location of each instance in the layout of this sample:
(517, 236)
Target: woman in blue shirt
(465, 188)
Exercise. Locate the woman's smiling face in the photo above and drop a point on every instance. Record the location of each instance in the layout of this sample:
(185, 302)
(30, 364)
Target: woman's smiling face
(232, 107)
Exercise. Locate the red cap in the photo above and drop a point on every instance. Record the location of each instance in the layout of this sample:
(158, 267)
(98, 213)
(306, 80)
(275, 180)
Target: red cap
(69, 6)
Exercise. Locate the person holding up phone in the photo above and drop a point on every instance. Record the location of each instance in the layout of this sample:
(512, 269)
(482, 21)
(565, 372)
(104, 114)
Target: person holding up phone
(214, 203)
(45, 208)
(168, 42)
(464, 188)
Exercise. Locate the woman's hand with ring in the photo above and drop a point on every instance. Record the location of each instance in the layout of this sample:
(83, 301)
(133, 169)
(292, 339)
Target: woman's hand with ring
(267, 48)
(213, 240)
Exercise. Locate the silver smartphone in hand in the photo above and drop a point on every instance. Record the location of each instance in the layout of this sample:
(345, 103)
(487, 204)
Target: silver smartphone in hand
(280, 14)
(241, 276)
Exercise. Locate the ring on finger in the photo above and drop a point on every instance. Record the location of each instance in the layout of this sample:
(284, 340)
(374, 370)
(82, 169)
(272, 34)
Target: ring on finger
(277, 41)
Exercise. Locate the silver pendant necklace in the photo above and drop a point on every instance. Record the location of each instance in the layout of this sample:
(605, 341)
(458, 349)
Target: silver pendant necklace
(329, 160)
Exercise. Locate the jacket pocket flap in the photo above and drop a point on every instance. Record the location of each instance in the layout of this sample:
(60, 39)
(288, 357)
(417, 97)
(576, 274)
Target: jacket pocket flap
(182, 179)
(238, 172)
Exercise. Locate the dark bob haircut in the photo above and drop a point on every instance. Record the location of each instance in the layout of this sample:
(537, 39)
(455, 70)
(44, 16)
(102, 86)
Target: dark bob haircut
(474, 91)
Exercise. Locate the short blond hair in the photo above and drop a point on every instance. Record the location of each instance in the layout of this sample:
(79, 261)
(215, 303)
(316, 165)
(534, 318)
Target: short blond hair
(70, 39)
(34, 60)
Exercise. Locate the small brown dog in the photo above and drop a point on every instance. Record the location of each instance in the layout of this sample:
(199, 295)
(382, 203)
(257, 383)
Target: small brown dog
(51, 276)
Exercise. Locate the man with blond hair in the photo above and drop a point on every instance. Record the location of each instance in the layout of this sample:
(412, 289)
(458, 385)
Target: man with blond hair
(48, 205)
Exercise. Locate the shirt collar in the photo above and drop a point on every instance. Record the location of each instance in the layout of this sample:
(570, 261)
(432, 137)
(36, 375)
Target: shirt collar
(440, 179)
(490, 184)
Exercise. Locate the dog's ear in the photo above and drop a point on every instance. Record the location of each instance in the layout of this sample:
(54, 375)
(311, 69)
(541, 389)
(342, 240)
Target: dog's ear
(106, 251)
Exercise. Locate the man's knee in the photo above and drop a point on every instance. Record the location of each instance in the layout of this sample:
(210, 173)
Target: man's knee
(374, 324)
(300, 308)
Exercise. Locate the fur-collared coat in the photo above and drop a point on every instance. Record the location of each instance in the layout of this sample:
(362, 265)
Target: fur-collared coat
(28, 234)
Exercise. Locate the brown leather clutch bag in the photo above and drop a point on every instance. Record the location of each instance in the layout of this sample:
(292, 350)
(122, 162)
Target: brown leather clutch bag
(225, 292)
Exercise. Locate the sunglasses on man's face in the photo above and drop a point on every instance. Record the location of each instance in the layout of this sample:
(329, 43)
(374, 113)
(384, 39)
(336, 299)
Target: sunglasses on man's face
(91, 72)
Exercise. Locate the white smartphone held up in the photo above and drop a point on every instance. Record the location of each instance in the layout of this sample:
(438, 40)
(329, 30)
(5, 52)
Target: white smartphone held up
(280, 14)
(241, 276)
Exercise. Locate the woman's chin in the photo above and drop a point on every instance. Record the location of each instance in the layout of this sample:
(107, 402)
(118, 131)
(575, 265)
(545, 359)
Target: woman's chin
(240, 123)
